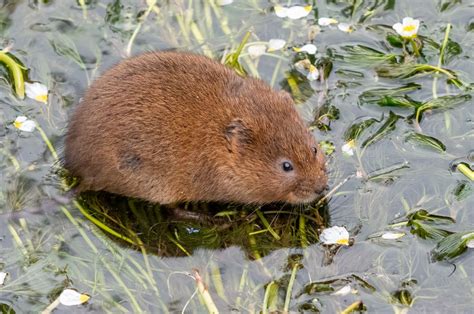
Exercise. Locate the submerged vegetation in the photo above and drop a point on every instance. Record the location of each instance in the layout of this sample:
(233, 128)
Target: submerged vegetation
(390, 99)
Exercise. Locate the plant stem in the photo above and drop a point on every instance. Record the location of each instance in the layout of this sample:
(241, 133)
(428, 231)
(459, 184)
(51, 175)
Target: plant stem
(466, 170)
(441, 59)
(290, 288)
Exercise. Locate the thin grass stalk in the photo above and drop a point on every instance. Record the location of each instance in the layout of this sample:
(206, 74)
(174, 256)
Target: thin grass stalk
(18, 240)
(243, 280)
(83, 5)
(104, 262)
(217, 280)
(289, 290)
(151, 5)
(440, 60)
(48, 142)
(101, 225)
(204, 292)
(266, 297)
(302, 228)
(465, 170)
(267, 225)
(352, 307)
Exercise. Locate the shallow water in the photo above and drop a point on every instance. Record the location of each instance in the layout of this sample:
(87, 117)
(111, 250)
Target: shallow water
(47, 244)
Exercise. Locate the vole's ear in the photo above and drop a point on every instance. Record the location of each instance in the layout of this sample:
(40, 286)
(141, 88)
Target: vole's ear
(237, 134)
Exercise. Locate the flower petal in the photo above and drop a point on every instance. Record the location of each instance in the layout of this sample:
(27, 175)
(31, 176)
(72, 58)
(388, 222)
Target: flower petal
(335, 235)
(256, 50)
(276, 44)
(313, 73)
(343, 291)
(297, 12)
(470, 244)
(23, 124)
(309, 49)
(407, 21)
(326, 21)
(224, 2)
(3, 275)
(398, 27)
(36, 91)
(281, 11)
(392, 235)
(348, 148)
(70, 297)
(345, 27)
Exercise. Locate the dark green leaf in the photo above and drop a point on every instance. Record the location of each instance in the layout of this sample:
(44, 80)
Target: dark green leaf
(6, 309)
(452, 49)
(424, 215)
(356, 129)
(365, 55)
(448, 4)
(386, 128)
(394, 40)
(452, 246)
(402, 296)
(442, 103)
(377, 95)
(398, 101)
(426, 231)
(462, 190)
(326, 114)
(427, 141)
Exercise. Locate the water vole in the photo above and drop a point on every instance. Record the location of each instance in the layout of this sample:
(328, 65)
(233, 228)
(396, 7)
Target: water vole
(169, 127)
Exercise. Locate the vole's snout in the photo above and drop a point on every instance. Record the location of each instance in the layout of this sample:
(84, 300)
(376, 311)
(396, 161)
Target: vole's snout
(320, 190)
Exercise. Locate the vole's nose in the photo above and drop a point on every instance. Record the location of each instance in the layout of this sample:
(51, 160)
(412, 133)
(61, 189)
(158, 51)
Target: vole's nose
(321, 189)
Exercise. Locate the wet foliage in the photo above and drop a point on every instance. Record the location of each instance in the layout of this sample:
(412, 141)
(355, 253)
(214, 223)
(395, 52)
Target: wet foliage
(392, 112)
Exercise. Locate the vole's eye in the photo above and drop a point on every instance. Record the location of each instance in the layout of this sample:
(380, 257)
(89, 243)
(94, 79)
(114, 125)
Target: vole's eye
(287, 166)
(315, 150)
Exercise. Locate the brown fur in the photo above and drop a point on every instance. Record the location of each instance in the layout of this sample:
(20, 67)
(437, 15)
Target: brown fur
(169, 127)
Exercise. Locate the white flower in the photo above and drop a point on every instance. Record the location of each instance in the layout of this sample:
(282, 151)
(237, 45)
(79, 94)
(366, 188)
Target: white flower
(224, 2)
(71, 297)
(408, 28)
(308, 48)
(313, 73)
(276, 44)
(256, 50)
(24, 124)
(469, 243)
(335, 235)
(343, 291)
(346, 28)
(3, 275)
(36, 91)
(310, 70)
(348, 148)
(392, 235)
(294, 13)
(326, 21)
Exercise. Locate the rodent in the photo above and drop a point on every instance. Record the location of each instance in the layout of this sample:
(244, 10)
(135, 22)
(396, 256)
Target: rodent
(172, 126)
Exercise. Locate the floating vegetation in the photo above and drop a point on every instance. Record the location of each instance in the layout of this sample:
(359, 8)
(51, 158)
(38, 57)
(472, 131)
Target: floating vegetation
(388, 96)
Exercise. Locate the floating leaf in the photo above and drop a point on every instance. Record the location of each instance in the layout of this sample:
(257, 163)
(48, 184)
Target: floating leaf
(427, 141)
(441, 103)
(452, 246)
(357, 128)
(64, 46)
(16, 71)
(402, 296)
(386, 128)
(451, 50)
(421, 224)
(394, 40)
(365, 55)
(388, 174)
(390, 96)
(326, 114)
(462, 190)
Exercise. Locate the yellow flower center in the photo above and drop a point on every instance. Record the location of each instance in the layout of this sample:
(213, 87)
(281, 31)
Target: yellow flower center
(308, 8)
(42, 98)
(17, 124)
(409, 28)
(84, 298)
(343, 241)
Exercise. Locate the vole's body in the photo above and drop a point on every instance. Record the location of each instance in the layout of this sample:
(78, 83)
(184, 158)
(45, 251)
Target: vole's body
(169, 127)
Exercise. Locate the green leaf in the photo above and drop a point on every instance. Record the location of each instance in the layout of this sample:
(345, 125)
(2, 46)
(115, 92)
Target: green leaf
(386, 128)
(374, 94)
(452, 246)
(462, 190)
(394, 40)
(424, 215)
(452, 50)
(64, 46)
(16, 71)
(326, 114)
(441, 103)
(357, 128)
(232, 59)
(427, 141)
(364, 55)
(426, 231)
